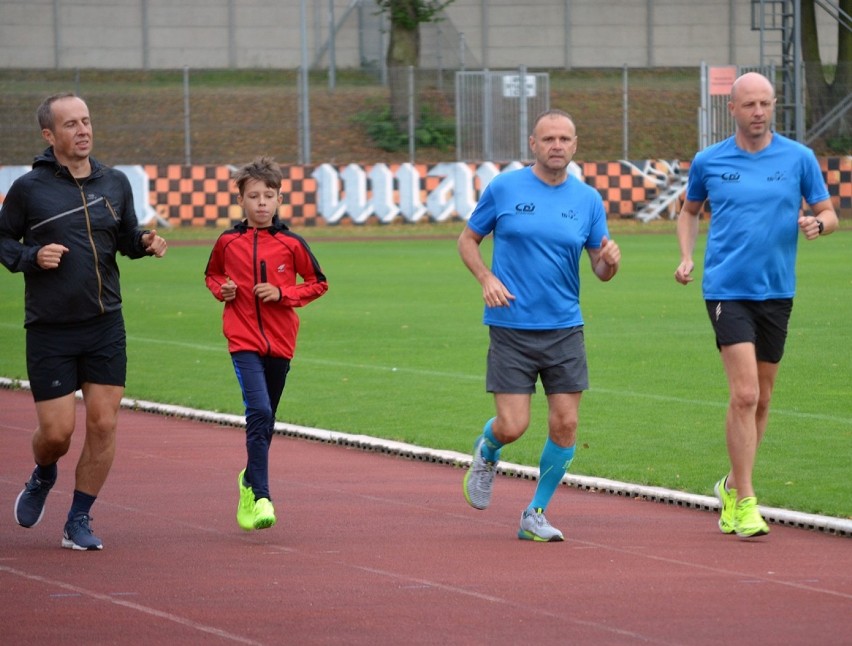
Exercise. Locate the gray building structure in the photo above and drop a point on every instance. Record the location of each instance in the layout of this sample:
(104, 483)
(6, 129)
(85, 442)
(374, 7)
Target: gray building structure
(475, 34)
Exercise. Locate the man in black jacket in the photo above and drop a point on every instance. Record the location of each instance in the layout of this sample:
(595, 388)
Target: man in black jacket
(62, 225)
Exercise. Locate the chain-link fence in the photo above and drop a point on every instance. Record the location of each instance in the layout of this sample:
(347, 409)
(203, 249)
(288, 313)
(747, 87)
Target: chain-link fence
(227, 117)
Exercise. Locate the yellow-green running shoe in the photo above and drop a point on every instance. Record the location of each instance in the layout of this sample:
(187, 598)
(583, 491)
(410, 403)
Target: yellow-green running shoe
(264, 514)
(728, 498)
(747, 519)
(245, 509)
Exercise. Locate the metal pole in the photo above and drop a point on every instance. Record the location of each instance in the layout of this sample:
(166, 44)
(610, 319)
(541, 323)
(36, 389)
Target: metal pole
(57, 37)
(187, 138)
(232, 36)
(487, 117)
(703, 120)
(625, 102)
(411, 121)
(459, 116)
(304, 99)
(649, 34)
(383, 51)
(440, 57)
(484, 21)
(798, 80)
(332, 55)
(146, 45)
(732, 34)
(566, 28)
(523, 137)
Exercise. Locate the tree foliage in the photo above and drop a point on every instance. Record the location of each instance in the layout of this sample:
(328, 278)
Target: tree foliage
(409, 14)
(405, 17)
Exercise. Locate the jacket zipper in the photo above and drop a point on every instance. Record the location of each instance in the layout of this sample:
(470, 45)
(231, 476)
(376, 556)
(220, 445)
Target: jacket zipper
(92, 244)
(255, 265)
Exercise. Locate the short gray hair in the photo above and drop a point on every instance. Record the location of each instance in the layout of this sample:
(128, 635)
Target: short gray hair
(44, 114)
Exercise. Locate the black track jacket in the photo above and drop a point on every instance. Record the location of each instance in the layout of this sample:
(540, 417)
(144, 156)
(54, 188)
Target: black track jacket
(93, 217)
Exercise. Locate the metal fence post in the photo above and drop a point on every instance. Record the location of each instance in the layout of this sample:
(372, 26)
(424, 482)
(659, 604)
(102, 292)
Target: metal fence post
(523, 119)
(626, 115)
(304, 97)
(487, 116)
(187, 133)
(411, 120)
(704, 109)
(332, 53)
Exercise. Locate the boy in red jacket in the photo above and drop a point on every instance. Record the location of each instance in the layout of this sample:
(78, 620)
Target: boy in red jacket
(253, 268)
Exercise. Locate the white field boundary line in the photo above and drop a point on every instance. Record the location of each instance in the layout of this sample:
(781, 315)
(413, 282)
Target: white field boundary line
(827, 524)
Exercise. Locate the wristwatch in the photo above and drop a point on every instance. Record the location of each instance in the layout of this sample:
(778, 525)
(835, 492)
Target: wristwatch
(820, 225)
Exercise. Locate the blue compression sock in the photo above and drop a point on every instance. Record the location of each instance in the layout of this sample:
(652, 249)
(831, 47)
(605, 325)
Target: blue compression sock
(81, 504)
(491, 447)
(554, 462)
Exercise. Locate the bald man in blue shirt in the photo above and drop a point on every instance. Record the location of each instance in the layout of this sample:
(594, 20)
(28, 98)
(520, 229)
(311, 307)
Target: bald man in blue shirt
(542, 218)
(755, 182)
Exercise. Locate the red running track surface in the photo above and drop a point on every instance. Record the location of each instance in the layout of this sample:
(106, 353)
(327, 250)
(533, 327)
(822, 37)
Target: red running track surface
(377, 549)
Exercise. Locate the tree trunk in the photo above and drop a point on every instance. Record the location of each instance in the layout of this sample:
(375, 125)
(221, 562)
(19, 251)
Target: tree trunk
(403, 52)
(843, 78)
(823, 94)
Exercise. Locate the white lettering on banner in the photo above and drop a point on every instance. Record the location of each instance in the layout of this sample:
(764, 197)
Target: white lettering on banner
(328, 193)
(440, 203)
(381, 180)
(355, 193)
(455, 194)
(410, 203)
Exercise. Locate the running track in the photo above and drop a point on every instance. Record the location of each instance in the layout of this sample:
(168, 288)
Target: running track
(373, 548)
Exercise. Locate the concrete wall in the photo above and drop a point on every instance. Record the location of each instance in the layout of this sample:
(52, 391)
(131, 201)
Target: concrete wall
(159, 34)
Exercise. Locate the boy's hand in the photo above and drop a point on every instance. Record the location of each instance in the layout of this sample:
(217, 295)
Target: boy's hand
(267, 292)
(229, 290)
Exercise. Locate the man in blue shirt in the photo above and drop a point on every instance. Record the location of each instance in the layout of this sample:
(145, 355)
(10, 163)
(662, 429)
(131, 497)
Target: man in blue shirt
(755, 182)
(542, 218)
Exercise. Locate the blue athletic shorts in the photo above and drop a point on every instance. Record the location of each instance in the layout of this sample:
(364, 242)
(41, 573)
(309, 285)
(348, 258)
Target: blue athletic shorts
(763, 323)
(61, 358)
(517, 358)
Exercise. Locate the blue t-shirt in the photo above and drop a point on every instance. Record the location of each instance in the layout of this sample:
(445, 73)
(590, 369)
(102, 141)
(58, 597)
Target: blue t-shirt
(755, 200)
(540, 232)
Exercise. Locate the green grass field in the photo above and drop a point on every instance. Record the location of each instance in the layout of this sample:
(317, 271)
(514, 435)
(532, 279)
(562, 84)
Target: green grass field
(396, 349)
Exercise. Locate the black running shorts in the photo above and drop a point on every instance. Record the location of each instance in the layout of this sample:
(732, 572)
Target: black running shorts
(763, 323)
(61, 358)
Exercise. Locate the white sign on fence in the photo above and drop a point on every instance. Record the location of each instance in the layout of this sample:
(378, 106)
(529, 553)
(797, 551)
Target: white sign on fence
(512, 85)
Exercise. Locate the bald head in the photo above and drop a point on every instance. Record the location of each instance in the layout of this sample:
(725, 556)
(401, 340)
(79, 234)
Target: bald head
(751, 106)
(751, 82)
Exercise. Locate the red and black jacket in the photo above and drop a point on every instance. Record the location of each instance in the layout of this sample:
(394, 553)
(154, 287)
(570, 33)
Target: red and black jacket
(275, 255)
